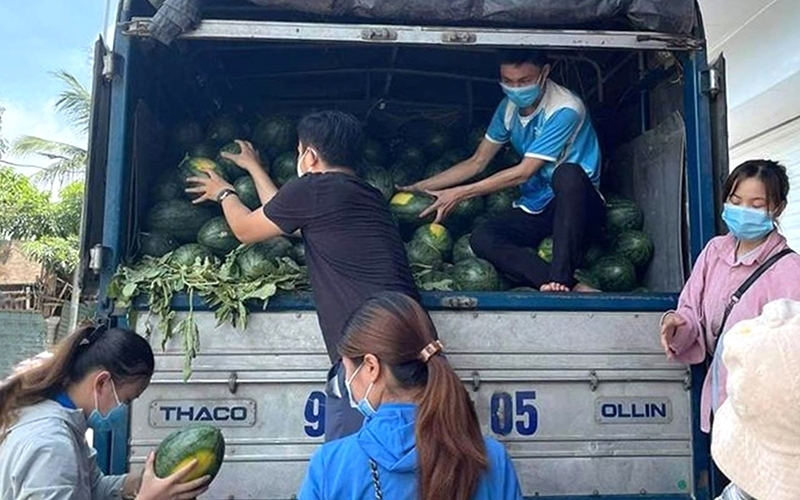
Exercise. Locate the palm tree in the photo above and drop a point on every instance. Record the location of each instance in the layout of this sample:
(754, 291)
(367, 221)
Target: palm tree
(68, 162)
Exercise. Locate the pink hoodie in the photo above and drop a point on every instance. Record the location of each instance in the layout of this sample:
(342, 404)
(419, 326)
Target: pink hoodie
(715, 277)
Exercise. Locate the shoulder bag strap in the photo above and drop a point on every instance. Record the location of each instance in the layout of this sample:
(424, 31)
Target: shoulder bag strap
(737, 295)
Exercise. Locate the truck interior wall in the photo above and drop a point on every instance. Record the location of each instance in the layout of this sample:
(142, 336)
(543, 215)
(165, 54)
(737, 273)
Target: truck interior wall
(627, 95)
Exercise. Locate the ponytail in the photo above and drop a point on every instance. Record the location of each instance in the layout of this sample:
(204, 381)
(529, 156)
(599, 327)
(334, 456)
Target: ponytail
(125, 354)
(450, 447)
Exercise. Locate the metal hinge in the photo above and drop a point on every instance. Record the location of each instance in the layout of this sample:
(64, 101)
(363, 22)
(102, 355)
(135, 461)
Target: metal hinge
(97, 259)
(378, 34)
(459, 37)
(109, 65)
(711, 82)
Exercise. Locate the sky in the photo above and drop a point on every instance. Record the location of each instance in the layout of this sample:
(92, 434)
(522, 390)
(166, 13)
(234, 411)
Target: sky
(36, 38)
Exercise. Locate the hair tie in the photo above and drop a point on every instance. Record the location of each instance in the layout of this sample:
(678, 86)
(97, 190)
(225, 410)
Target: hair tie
(96, 332)
(429, 350)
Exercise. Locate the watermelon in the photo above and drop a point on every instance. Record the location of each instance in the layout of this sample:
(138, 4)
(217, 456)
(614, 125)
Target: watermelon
(475, 137)
(204, 150)
(410, 154)
(298, 253)
(230, 168)
(381, 179)
(501, 201)
(592, 255)
(197, 166)
(223, 129)
(437, 168)
(641, 290)
(156, 244)
(284, 168)
(178, 218)
(463, 214)
(373, 153)
(476, 274)
(260, 259)
(636, 246)
(623, 215)
(169, 187)
(437, 236)
(423, 255)
(188, 133)
(436, 142)
(202, 443)
(187, 255)
(248, 194)
(405, 173)
(481, 219)
(275, 134)
(434, 280)
(523, 289)
(407, 206)
(462, 249)
(614, 274)
(453, 156)
(217, 235)
(545, 250)
(587, 278)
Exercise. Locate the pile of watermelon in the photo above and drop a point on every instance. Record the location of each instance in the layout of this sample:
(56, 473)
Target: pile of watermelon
(439, 254)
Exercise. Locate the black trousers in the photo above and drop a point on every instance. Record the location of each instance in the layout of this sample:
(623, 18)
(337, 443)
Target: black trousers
(575, 217)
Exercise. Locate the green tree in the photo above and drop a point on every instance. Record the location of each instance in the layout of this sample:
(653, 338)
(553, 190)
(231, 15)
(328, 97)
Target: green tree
(48, 230)
(3, 142)
(67, 162)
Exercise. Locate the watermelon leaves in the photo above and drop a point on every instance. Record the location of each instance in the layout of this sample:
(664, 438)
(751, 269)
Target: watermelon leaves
(157, 280)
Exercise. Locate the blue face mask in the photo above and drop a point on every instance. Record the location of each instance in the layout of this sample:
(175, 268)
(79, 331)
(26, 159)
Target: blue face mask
(747, 223)
(364, 406)
(114, 419)
(522, 97)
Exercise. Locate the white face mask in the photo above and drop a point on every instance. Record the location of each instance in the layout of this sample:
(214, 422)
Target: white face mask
(300, 172)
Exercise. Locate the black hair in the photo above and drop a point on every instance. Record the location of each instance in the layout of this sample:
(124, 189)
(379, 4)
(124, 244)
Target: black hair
(771, 173)
(336, 136)
(523, 56)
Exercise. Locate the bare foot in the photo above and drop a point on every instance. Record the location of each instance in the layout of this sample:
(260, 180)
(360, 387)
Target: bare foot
(553, 287)
(583, 287)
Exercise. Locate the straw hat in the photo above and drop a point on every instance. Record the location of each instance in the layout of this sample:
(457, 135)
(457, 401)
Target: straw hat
(756, 432)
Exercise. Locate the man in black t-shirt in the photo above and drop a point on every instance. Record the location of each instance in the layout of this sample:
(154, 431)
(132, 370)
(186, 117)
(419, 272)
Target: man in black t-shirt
(353, 247)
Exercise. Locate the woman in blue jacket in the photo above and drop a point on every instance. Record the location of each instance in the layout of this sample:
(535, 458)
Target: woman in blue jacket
(421, 438)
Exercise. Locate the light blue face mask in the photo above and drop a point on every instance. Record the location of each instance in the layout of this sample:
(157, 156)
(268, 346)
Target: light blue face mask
(114, 419)
(522, 97)
(747, 223)
(364, 406)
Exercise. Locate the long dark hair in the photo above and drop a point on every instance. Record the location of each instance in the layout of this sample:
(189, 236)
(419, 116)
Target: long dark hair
(126, 355)
(450, 447)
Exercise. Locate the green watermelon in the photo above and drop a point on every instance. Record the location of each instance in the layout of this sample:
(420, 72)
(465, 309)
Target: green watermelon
(433, 280)
(437, 236)
(437, 168)
(405, 173)
(179, 218)
(374, 153)
(248, 194)
(275, 134)
(223, 129)
(298, 253)
(592, 255)
(198, 166)
(187, 255)
(501, 201)
(217, 235)
(261, 259)
(453, 156)
(545, 250)
(436, 142)
(156, 244)
(587, 278)
(614, 274)
(203, 150)
(202, 443)
(523, 289)
(231, 170)
(406, 208)
(188, 133)
(477, 275)
(168, 187)
(464, 213)
(623, 215)
(284, 168)
(423, 255)
(381, 179)
(410, 155)
(636, 246)
(462, 249)
(482, 218)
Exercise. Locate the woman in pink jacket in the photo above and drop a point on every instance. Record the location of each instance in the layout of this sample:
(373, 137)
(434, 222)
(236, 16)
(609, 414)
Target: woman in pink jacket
(755, 195)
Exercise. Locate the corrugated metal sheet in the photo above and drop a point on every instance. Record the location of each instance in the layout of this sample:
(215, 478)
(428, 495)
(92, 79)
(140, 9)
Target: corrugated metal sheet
(21, 336)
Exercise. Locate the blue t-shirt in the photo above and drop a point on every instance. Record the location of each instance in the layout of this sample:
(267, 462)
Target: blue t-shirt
(559, 131)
